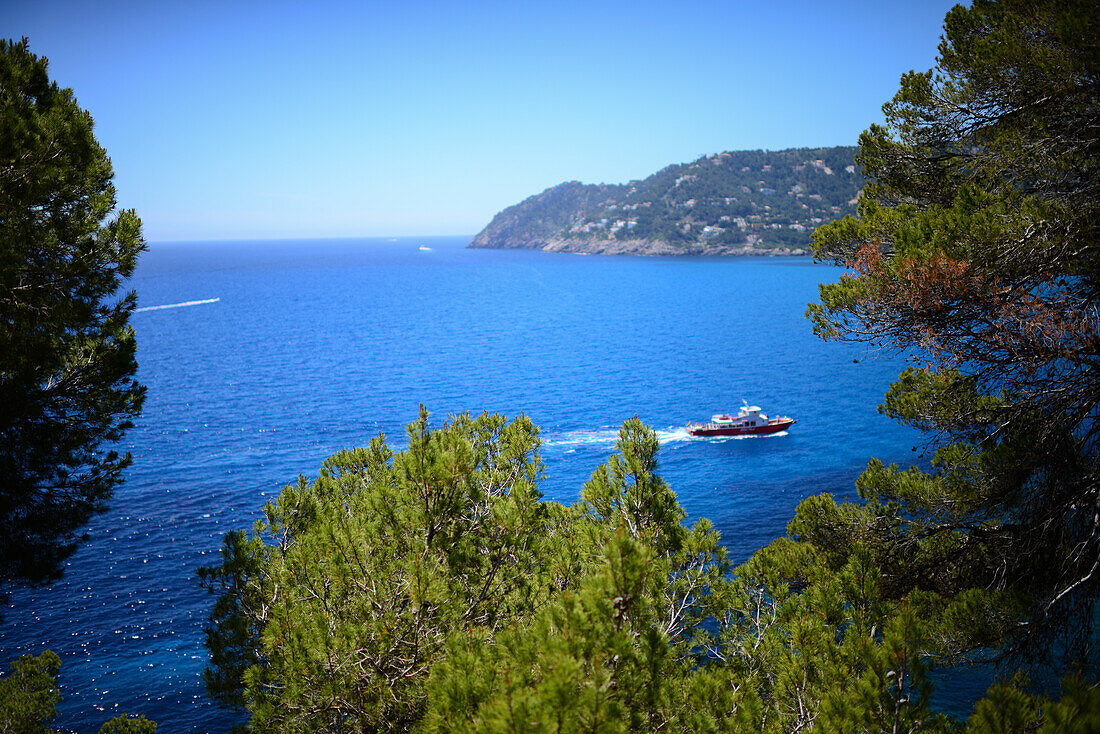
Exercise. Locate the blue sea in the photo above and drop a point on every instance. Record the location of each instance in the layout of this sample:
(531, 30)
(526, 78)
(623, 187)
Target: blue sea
(270, 356)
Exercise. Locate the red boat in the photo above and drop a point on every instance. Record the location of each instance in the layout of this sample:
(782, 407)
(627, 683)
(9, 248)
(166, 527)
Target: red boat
(749, 421)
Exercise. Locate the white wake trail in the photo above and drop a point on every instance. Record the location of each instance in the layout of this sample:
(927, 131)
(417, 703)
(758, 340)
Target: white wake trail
(177, 305)
(608, 437)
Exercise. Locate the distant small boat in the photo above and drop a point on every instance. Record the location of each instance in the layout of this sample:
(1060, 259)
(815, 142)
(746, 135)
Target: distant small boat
(749, 421)
(425, 248)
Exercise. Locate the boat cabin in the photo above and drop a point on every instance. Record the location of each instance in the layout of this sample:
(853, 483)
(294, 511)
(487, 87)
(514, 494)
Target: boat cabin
(749, 415)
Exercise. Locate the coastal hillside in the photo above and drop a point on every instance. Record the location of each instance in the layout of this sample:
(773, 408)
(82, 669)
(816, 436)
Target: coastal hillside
(748, 202)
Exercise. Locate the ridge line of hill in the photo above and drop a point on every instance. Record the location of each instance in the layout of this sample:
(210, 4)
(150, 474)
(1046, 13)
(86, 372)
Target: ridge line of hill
(749, 202)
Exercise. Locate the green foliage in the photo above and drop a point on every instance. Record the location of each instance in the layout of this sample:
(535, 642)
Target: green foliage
(585, 663)
(431, 590)
(889, 690)
(619, 651)
(1009, 707)
(66, 349)
(415, 590)
(29, 694)
(333, 613)
(812, 640)
(975, 252)
(626, 491)
(128, 725)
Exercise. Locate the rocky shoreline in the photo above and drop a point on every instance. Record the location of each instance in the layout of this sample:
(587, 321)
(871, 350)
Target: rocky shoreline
(640, 247)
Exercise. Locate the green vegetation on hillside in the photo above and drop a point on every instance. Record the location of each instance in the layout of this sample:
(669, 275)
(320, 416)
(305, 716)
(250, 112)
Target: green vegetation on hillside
(759, 199)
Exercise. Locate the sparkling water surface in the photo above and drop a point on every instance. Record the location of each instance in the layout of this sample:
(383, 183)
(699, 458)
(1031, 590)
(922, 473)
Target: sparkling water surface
(280, 353)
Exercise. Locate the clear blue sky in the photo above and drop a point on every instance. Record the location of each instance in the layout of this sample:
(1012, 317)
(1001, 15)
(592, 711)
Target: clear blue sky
(230, 120)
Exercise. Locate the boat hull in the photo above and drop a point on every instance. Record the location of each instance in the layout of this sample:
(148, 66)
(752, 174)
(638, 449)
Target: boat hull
(709, 429)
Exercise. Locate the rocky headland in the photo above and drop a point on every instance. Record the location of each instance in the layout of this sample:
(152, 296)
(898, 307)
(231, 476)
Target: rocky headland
(726, 204)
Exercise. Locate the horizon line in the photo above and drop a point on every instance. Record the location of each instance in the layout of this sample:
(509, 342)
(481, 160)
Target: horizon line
(306, 237)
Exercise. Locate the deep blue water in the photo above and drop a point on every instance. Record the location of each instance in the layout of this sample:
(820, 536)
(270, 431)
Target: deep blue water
(316, 346)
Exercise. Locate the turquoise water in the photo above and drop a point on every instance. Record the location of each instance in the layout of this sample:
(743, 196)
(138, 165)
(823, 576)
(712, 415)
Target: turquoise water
(311, 346)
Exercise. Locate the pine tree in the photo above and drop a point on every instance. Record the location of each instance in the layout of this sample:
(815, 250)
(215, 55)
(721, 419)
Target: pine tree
(29, 694)
(333, 612)
(66, 349)
(432, 590)
(976, 254)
